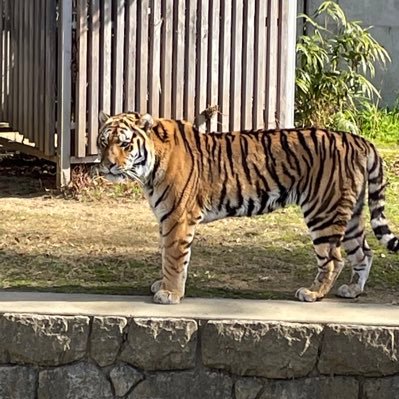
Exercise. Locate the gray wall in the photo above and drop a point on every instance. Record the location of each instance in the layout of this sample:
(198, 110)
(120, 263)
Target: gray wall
(384, 17)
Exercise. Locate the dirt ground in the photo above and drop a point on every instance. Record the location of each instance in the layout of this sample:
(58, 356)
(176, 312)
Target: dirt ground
(110, 245)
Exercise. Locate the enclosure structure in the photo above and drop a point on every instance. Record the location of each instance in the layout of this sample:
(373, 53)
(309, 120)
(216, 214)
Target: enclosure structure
(64, 60)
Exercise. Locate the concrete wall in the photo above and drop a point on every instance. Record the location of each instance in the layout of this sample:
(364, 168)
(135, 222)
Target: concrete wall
(384, 17)
(81, 357)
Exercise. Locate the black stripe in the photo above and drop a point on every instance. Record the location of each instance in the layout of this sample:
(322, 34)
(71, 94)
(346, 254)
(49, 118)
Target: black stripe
(161, 197)
(393, 244)
(302, 141)
(332, 239)
(377, 212)
(381, 231)
(354, 237)
(251, 207)
(353, 251)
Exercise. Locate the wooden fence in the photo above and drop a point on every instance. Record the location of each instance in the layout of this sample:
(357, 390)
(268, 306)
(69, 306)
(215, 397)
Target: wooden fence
(62, 61)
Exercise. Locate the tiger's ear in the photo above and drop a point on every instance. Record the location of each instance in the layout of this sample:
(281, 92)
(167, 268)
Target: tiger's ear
(103, 117)
(146, 122)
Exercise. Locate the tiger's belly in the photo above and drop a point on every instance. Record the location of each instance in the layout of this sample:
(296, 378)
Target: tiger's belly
(248, 207)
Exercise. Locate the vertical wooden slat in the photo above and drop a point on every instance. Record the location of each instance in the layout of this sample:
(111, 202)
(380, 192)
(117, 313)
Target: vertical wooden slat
(15, 63)
(271, 68)
(117, 74)
(42, 74)
(130, 55)
(6, 92)
(106, 54)
(142, 57)
(166, 58)
(81, 81)
(248, 64)
(30, 61)
(25, 66)
(259, 64)
(202, 56)
(224, 71)
(94, 74)
(36, 73)
(2, 35)
(21, 87)
(287, 40)
(189, 73)
(213, 67)
(50, 90)
(155, 56)
(178, 59)
(64, 93)
(236, 65)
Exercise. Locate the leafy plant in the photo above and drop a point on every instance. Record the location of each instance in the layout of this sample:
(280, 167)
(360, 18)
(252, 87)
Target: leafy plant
(336, 59)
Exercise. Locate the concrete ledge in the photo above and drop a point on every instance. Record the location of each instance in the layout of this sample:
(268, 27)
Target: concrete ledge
(58, 346)
(327, 311)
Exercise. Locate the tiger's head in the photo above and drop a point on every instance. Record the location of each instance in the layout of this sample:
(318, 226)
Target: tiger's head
(124, 146)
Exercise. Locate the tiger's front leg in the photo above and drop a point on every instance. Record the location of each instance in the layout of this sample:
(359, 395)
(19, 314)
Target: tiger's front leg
(176, 238)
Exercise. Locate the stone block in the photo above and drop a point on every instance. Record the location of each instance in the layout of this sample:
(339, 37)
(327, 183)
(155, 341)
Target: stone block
(81, 380)
(161, 344)
(17, 382)
(124, 378)
(247, 388)
(43, 340)
(317, 387)
(193, 384)
(106, 339)
(264, 349)
(381, 388)
(359, 350)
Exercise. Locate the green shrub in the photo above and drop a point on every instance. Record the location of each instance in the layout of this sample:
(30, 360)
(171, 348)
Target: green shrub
(379, 124)
(336, 59)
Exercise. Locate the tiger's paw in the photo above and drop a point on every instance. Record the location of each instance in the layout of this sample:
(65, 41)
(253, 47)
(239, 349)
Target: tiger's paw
(349, 291)
(156, 286)
(166, 297)
(305, 295)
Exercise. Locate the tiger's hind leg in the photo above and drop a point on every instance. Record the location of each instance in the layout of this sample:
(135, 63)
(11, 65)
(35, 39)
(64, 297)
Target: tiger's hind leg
(359, 255)
(327, 228)
(330, 265)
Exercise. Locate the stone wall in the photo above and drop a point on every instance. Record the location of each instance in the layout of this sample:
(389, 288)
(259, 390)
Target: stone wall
(51, 357)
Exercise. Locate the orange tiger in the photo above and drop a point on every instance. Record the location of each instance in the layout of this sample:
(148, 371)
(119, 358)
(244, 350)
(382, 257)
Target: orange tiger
(191, 178)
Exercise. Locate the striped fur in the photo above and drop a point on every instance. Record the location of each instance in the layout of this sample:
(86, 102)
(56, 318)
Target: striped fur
(191, 178)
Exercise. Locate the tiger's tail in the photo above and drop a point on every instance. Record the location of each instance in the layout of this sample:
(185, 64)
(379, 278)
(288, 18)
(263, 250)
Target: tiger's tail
(376, 201)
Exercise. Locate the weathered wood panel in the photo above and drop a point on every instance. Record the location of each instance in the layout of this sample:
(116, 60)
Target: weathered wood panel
(155, 57)
(225, 64)
(190, 54)
(117, 58)
(213, 63)
(271, 116)
(142, 57)
(236, 65)
(93, 74)
(81, 80)
(106, 55)
(173, 58)
(50, 79)
(130, 56)
(166, 58)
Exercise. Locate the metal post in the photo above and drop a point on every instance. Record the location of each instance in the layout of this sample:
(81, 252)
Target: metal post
(64, 94)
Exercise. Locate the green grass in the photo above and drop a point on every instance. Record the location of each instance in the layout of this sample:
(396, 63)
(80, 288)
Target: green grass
(381, 125)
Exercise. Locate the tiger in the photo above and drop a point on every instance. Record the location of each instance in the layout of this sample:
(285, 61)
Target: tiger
(189, 177)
